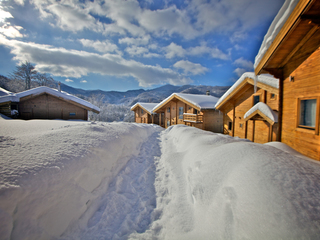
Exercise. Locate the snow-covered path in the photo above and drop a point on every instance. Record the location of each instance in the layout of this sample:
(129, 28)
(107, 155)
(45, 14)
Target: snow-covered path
(128, 204)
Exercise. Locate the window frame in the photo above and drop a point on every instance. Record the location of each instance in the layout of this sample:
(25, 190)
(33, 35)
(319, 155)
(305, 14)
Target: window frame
(181, 115)
(299, 127)
(256, 95)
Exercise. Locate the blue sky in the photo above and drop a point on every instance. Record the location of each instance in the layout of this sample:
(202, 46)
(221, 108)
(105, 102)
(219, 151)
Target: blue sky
(121, 45)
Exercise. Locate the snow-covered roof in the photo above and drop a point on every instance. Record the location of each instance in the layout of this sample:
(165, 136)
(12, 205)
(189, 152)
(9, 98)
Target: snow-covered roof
(264, 109)
(275, 28)
(15, 97)
(263, 78)
(200, 101)
(4, 92)
(146, 106)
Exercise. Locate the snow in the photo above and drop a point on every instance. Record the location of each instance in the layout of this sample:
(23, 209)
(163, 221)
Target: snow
(15, 97)
(4, 92)
(83, 180)
(53, 171)
(201, 101)
(275, 28)
(147, 106)
(265, 109)
(263, 78)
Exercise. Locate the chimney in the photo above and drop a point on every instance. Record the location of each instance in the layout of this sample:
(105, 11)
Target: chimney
(208, 92)
(59, 86)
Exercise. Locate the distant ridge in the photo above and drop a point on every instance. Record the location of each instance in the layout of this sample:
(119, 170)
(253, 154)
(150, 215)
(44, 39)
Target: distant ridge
(127, 98)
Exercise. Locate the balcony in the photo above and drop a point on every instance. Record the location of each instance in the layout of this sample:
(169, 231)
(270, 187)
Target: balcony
(195, 118)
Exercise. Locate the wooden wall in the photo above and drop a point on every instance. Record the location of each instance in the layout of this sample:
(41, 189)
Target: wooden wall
(46, 106)
(234, 112)
(140, 117)
(212, 119)
(306, 84)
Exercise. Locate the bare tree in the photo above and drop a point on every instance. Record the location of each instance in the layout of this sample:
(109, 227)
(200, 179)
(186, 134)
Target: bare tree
(25, 72)
(43, 79)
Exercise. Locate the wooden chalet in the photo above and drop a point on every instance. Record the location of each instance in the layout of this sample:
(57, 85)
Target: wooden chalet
(143, 113)
(45, 103)
(250, 108)
(190, 109)
(291, 52)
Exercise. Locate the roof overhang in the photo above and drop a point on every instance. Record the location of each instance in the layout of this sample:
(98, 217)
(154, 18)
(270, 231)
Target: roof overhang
(262, 110)
(172, 97)
(301, 26)
(244, 83)
(134, 107)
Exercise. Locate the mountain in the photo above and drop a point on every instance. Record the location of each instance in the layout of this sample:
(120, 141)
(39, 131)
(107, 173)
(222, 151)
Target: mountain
(127, 98)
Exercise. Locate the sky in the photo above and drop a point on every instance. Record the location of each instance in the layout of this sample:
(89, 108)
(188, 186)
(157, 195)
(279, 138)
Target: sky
(122, 45)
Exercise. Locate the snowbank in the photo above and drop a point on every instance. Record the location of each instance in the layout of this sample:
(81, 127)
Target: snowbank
(53, 171)
(212, 186)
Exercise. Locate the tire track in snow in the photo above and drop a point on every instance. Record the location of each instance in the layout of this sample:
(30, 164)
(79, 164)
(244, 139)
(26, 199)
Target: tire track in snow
(128, 204)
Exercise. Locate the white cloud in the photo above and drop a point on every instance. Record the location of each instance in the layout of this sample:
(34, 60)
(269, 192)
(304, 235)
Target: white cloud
(68, 80)
(231, 15)
(20, 2)
(135, 41)
(73, 63)
(189, 67)
(83, 81)
(10, 31)
(240, 71)
(241, 62)
(103, 47)
(136, 51)
(4, 15)
(174, 50)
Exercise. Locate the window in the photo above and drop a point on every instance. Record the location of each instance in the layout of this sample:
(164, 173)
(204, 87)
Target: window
(241, 125)
(141, 111)
(256, 99)
(168, 122)
(72, 114)
(308, 111)
(272, 96)
(230, 126)
(180, 112)
(168, 109)
(195, 111)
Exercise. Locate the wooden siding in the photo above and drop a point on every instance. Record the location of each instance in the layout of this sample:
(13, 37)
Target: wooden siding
(46, 106)
(142, 116)
(238, 105)
(212, 120)
(306, 83)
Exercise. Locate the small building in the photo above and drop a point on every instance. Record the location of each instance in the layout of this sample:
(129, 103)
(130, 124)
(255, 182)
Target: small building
(250, 108)
(143, 113)
(190, 109)
(291, 52)
(45, 103)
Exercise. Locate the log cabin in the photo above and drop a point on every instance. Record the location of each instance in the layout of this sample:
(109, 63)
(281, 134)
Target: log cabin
(291, 52)
(190, 109)
(250, 108)
(45, 103)
(143, 113)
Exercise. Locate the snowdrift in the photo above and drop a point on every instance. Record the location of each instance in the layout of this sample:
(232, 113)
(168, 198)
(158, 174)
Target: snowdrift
(53, 171)
(212, 186)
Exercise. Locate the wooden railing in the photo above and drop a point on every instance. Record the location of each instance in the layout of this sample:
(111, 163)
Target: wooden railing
(188, 117)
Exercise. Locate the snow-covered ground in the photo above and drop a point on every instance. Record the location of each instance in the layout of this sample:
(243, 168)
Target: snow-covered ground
(83, 180)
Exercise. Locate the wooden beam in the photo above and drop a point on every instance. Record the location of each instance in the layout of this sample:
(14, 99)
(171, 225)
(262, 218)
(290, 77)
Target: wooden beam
(297, 47)
(292, 21)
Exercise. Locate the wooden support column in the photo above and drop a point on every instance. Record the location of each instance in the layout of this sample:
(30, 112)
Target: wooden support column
(246, 129)
(233, 119)
(253, 129)
(270, 133)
